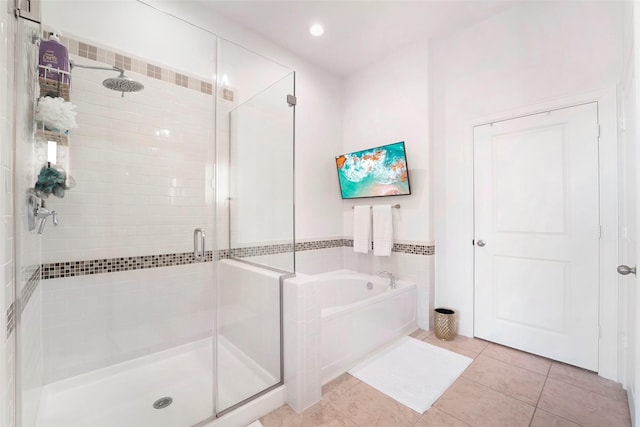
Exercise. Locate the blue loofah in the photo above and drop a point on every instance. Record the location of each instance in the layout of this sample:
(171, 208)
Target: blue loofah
(51, 181)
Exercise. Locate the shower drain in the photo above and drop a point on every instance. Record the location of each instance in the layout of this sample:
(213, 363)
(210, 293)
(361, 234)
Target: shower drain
(162, 403)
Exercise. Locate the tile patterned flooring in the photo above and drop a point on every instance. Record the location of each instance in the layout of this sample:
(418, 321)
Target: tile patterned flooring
(503, 387)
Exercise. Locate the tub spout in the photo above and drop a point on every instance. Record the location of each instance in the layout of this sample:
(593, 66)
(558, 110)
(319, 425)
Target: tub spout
(390, 276)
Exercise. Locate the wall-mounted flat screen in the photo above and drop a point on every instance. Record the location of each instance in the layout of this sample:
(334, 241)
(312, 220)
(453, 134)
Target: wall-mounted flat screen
(375, 172)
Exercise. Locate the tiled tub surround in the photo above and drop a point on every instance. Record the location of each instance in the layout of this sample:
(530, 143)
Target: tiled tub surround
(355, 320)
(322, 342)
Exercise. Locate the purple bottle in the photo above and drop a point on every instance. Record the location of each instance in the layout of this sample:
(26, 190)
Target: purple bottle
(54, 55)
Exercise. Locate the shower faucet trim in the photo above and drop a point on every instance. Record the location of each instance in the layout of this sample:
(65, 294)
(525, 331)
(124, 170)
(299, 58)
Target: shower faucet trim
(42, 213)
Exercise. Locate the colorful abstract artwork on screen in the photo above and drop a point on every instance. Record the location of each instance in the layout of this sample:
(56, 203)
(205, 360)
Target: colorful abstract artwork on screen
(375, 172)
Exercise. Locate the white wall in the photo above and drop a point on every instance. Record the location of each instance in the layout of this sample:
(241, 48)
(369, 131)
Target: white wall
(531, 53)
(387, 102)
(157, 37)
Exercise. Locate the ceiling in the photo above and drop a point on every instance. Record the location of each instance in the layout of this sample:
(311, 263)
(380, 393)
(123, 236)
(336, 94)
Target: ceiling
(356, 32)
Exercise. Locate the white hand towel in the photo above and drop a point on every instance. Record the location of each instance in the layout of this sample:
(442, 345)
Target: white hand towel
(361, 228)
(382, 230)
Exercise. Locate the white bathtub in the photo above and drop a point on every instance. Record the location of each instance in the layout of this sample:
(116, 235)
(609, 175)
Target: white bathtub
(355, 320)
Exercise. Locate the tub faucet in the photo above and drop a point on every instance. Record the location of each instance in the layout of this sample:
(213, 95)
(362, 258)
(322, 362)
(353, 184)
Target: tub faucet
(390, 276)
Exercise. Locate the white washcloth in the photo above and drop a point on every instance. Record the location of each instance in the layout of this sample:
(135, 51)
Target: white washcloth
(382, 230)
(361, 228)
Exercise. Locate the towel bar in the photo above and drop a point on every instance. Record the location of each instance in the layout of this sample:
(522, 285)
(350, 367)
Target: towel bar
(393, 206)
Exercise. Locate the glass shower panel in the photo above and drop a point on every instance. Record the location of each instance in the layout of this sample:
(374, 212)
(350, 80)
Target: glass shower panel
(261, 211)
(261, 178)
(30, 155)
(125, 304)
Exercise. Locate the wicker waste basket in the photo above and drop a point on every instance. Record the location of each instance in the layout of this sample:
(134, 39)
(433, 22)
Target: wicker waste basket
(445, 323)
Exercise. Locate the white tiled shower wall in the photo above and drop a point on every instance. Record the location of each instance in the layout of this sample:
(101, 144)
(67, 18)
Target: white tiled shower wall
(99, 320)
(7, 348)
(144, 171)
(29, 158)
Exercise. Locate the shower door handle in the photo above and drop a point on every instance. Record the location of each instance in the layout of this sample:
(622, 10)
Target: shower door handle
(198, 244)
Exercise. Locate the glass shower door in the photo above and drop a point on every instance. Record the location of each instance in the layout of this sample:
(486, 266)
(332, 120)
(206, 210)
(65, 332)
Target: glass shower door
(117, 321)
(261, 245)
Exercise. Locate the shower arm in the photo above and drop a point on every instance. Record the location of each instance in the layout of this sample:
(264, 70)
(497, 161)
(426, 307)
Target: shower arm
(91, 67)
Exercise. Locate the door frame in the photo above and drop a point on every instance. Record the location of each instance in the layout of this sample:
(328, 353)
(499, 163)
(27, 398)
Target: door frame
(609, 296)
(626, 340)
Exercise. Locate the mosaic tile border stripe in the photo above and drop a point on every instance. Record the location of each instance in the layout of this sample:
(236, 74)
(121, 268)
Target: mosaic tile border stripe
(30, 288)
(250, 251)
(403, 248)
(133, 64)
(11, 318)
(319, 244)
(111, 265)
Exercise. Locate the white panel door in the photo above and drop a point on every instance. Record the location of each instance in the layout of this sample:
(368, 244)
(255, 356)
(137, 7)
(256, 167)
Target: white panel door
(537, 234)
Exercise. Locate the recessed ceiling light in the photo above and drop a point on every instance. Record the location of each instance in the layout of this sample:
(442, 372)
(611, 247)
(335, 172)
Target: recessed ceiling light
(316, 30)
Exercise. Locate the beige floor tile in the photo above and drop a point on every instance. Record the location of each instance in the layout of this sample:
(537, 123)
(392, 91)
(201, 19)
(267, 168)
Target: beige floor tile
(505, 378)
(588, 380)
(339, 386)
(366, 406)
(582, 406)
(545, 419)
(284, 416)
(480, 406)
(436, 418)
(324, 414)
(470, 347)
(518, 358)
(420, 334)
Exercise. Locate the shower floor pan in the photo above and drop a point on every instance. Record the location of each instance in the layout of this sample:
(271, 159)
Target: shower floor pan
(124, 394)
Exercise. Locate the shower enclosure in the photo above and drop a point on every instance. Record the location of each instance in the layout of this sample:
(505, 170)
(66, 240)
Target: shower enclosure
(156, 299)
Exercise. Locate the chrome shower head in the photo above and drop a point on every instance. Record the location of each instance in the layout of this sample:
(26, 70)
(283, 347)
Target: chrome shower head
(122, 84)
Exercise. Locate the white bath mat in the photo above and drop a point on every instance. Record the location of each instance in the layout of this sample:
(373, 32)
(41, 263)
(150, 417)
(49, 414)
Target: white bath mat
(412, 372)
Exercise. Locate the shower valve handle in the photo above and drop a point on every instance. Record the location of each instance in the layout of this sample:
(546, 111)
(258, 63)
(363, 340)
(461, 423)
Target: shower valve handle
(43, 214)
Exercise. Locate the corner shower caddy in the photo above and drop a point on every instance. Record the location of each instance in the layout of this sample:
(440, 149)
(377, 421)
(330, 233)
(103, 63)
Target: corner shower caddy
(58, 88)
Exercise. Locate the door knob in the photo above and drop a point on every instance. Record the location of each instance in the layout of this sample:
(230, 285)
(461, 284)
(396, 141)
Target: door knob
(481, 243)
(625, 269)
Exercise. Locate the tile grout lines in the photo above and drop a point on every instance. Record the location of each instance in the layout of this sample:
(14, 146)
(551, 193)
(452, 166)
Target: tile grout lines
(474, 348)
(547, 375)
